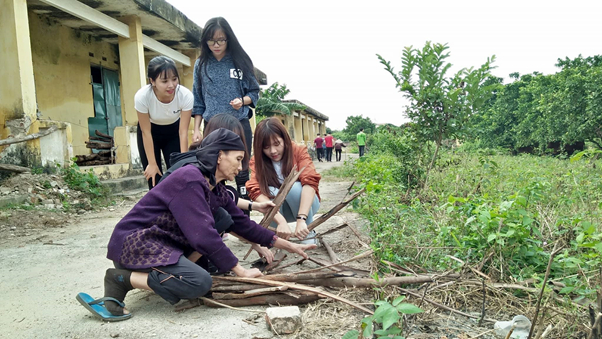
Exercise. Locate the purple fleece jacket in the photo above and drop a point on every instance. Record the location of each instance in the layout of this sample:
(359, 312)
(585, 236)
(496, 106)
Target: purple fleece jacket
(176, 217)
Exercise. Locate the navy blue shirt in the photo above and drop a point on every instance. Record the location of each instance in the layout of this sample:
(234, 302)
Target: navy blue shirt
(219, 82)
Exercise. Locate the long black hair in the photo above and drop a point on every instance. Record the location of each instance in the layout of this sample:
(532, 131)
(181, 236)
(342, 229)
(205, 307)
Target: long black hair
(241, 59)
(161, 66)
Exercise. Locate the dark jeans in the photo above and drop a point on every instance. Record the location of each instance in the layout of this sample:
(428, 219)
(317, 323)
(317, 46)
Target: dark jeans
(328, 153)
(166, 140)
(182, 280)
(361, 150)
(319, 153)
(338, 154)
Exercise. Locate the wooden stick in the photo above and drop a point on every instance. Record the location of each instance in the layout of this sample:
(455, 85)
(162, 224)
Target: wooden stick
(232, 288)
(543, 287)
(331, 254)
(298, 262)
(14, 168)
(369, 282)
(102, 135)
(207, 300)
(279, 200)
(323, 264)
(248, 294)
(293, 277)
(340, 267)
(545, 333)
(357, 234)
(442, 306)
(332, 230)
(282, 193)
(333, 211)
(477, 272)
(357, 257)
(296, 287)
(278, 257)
(593, 332)
(28, 137)
(281, 298)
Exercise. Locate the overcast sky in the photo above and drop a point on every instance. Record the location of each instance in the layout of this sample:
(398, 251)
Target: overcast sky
(325, 51)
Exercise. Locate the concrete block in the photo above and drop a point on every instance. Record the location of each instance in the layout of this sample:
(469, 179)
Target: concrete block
(283, 320)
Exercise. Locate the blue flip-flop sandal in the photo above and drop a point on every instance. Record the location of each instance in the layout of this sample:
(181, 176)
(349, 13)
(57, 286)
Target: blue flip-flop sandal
(97, 307)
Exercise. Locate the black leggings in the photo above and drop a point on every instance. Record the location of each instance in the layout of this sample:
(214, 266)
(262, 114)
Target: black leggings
(338, 154)
(166, 140)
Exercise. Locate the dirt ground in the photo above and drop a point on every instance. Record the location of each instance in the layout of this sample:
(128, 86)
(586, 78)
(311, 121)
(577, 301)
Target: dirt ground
(49, 256)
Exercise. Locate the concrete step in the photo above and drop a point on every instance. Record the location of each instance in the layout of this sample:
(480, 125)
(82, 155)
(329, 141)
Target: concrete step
(127, 185)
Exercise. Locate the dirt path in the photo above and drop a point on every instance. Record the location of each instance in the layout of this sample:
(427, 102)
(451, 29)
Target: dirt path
(44, 270)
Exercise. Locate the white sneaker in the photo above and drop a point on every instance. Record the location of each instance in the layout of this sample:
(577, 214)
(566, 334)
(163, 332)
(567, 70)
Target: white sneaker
(310, 239)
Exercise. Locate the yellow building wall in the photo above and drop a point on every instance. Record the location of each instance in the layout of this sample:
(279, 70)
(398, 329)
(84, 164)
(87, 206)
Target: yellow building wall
(61, 62)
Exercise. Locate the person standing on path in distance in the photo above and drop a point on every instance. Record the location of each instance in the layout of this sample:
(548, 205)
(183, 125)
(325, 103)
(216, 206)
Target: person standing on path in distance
(329, 140)
(318, 143)
(151, 245)
(164, 109)
(224, 82)
(338, 148)
(274, 157)
(361, 141)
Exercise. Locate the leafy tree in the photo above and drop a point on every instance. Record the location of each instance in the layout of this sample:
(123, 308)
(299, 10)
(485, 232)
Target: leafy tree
(355, 123)
(271, 101)
(440, 105)
(541, 111)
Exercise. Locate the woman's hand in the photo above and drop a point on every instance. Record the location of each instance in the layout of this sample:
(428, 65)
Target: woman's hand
(283, 231)
(246, 273)
(301, 231)
(196, 136)
(236, 103)
(265, 252)
(151, 172)
(294, 248)
(263, 207)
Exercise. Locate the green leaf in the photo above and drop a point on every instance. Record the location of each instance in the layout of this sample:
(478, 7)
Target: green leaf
(390, 317)
(491, 237)
(408, 308)
(353, 334)
(567, 289)
(398, 300)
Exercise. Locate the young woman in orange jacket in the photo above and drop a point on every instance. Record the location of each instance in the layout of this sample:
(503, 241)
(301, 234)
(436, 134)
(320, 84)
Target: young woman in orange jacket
(275, 155)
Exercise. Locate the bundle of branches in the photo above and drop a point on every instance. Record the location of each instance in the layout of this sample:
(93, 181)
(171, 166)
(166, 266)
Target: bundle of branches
(104, 144)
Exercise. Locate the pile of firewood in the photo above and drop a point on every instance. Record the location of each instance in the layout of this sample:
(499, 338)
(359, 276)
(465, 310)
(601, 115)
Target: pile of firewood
(106, 155)
(279, 287)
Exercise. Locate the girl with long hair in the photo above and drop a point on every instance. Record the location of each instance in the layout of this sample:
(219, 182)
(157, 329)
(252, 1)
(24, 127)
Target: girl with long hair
(224, 82)
(164, 108)
(274, 157)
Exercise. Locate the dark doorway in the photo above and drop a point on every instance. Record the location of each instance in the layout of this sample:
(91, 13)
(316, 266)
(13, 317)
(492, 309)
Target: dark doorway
(107, 101)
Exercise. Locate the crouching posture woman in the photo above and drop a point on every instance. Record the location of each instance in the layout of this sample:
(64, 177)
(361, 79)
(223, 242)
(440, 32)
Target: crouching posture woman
(274, 155)
(150, 245)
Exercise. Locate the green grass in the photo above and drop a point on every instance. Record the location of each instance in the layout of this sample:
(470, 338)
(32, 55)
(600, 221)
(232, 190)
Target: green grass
(504, 211)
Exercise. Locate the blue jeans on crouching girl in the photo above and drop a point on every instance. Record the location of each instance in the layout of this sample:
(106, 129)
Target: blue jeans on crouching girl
(290, 207)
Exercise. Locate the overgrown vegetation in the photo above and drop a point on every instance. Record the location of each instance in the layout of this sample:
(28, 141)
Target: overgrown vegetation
(500, 213)
(545, 113)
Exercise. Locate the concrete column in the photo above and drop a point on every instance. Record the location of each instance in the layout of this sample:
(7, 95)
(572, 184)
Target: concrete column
(290, 125)
(298, 129)
(187, 80)
(17, 89)
(316, 127)
(305, 123)
(133, 73)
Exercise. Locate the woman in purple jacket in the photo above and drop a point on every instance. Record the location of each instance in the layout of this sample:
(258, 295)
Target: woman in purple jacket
(150, 245)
